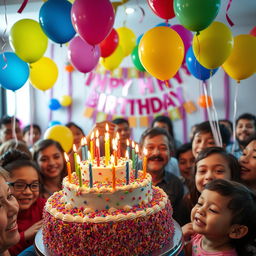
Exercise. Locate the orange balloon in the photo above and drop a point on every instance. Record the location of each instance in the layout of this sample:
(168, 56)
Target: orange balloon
(161, 52)
(202, 101)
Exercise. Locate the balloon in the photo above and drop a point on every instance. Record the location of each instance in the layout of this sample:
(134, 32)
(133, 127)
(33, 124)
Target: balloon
(202, 101)
(161, 52)
(253, 32)
(65, 100)
(28, 40)
(43, 74)
(213, 46)
(109, 44)
(127, 40)
(163, 24)
(14, 72)
(241, 64)
(196, 69)
(54, 104)
(55, 20)
(114, 60)
(196, 15)
(62, 134)
(93, 20)
(162, 8)
(78, 48)
(139, 38)
(53, 122)
(136, 59)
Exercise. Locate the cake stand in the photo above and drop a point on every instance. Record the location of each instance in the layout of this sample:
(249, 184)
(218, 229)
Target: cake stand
(172, 249)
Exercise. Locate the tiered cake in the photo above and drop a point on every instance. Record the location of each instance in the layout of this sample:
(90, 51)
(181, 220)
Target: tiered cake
(110, 211)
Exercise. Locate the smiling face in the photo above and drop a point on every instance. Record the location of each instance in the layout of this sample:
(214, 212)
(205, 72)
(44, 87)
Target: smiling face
(124, 132)
(248, 163)
(31, 139)
(78, 135)
(51, 162)
(186, 162)
(244, 129)
(212, 167)
(9, 208)
(28, 175)
(211, 216)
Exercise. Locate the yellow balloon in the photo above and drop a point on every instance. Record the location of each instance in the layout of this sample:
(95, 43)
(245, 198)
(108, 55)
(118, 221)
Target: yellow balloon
(28, 40)
(161, 52)
(114, 60)
(241, 64)
(213, 45)
(62, 134)
(43, 74)
(65, 100)
(127, 40)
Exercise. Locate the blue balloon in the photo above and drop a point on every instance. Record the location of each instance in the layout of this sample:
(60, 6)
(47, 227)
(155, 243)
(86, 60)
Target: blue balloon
(54, 104)
(138, 39)
(163, 24)
(14, 72)
(196, 69)
(54, 122)
(55, 20)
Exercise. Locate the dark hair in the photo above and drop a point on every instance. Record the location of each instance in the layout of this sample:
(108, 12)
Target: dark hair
(8, 120)
(247, 116)
(250, 140)
(228, 122)
(120, 121)
(70, 124)
(27, 128)
(183, 148)
(242, 205)
(205, 127)
(153, 132)
(166, 120)
(4, 174)
(232, 163)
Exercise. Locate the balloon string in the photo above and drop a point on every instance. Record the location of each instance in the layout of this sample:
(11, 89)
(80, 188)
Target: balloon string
(234, 117)
(22, 7)
(231, 23)
(226, 95)
(70, 92)
(51, 91)
(14, 120)
(3, 36)
(31, 128)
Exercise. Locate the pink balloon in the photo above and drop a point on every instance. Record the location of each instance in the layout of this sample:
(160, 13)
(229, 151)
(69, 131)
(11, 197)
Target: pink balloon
(83, 56)
(93, 19)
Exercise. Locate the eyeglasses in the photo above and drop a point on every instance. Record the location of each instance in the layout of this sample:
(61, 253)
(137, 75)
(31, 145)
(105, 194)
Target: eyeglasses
(21, 186)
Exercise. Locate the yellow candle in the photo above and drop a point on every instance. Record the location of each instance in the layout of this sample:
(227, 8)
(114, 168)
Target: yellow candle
(145, 162)
(68, 166)
(79, 171)
(75, 159)
(107, 149)
(92, 146)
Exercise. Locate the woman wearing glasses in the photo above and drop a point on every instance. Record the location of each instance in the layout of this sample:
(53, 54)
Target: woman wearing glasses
(25, 185)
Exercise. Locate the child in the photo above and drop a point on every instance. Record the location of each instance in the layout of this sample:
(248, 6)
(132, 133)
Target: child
(25, 186)
(223, 219)
(77, 132)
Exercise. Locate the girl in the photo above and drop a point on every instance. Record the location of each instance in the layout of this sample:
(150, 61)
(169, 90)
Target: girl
(78, 133)
(223, 219)
(49, 155)
(25, 186)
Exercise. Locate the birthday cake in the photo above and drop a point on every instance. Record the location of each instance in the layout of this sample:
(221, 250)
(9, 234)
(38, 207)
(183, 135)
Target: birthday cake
(107, 210)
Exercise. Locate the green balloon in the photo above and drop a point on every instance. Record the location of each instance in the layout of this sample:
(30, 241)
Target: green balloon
(136, 59)
(196, 15)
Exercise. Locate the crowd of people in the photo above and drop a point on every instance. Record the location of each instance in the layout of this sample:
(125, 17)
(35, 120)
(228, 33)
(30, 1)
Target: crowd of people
(211, 188)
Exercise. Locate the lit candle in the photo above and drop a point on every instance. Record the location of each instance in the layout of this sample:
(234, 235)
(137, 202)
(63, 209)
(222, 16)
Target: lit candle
(84, 149)
(79, 171)
(136, 160)
(107, 146)
(92, 146)
(114, 151)
(90, 171)
(113, 174)
(75, 159)
(118, 143)
(128, 147)
(133, 155)
(98, 151)
(127, 172)
(68, 166)
(145, 162)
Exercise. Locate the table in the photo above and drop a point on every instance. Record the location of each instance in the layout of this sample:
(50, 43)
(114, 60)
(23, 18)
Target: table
(172, 249)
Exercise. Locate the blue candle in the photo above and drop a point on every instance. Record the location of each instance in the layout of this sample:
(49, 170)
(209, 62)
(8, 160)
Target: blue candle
(84, 149)
(127, 172)
(136, 161)
(90, 175)
(133, 155)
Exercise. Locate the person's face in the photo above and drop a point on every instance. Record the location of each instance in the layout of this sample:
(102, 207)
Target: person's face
(211, 216)
(244, 129)
(162, 125)
(51, 162)
(210, 168)
(78, 135)
(248, 163)
(30, 140)
(124, 131)
(186, 162)
(201, 141)
(158, 153)
(6, 132)
(28, 175)
(9, 208)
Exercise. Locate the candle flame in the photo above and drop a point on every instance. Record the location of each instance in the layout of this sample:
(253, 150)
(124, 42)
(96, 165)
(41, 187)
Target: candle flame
(117, 136)
(66, 157)
(97, 133)
(114, 144)
(89, 156)
(112, 160)
(127, 143)
(145, 152)
(137, 148)
(74, 148)
(133, 144)
(106, 136)
(107, 127)
(92, 136)
(127, 154)
(78, 159)
(83, 141)
(97, 142)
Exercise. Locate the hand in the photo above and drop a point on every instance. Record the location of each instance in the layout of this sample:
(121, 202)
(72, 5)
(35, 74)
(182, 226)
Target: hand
(31, 231)
(187, 231)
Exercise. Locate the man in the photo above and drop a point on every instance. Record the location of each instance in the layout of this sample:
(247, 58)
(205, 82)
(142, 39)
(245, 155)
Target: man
(6, 129)
(245, 129)
(157, 142)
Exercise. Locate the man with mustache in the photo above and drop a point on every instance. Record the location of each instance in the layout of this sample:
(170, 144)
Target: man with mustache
(156, 141)
(245, 129)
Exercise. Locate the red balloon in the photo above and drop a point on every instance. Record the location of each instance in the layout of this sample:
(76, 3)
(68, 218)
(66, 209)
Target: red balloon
(162, 8)
(93, 19)
(109, 44)
(253, 32)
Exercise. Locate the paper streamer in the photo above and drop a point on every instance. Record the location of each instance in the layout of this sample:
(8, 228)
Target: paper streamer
(227, 96)
(230, 22)
(22, 7)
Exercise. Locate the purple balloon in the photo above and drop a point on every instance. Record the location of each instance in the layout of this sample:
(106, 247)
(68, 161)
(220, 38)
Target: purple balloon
(93, 19)
(83, 56)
